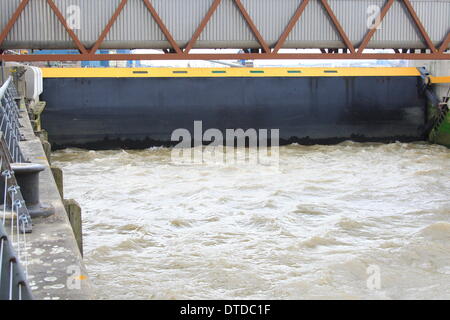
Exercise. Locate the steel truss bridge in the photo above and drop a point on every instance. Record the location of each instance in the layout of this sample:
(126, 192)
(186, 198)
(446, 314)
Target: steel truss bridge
(335, 29)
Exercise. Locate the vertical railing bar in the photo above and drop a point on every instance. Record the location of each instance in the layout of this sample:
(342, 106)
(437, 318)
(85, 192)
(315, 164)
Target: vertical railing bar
(6, 173)
(25, 248)
(12, 213)
(1, 258)
(11, 273)
(14, 151)
(17, 231)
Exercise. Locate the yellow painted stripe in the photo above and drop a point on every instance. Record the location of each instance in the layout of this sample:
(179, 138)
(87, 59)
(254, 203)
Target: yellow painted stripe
(440, 79)
(224, 72)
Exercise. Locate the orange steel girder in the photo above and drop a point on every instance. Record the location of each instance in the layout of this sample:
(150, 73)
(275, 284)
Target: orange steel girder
(177, 53)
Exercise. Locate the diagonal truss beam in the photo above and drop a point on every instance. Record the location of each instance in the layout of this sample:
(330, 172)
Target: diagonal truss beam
(155, 16)
(63, 21)
(202, 25)
(338, 26)
(445, 44)
(298, 13)
(13, 20)
(252, 26)
(162, 26)
(435, 54)
(374, 28)
(419, 25)
(108, 27)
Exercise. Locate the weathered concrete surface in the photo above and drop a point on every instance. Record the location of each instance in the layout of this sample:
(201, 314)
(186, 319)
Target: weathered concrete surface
(55, 264)
(73, 210)
(58, 175)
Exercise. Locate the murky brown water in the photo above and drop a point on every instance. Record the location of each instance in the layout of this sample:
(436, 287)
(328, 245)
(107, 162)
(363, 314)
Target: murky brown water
(320, 227)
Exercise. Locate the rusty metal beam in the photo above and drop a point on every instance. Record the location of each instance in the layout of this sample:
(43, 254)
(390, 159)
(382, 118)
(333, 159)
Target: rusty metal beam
(374, 29)
(338, 26)
(444, 44)
(108, 26)
(252, 26)
(13, 20)
(245, 56)
(63, 21)
(177, 53)
(162, 26)
(290, 26)
(202, 25)
(419, 25)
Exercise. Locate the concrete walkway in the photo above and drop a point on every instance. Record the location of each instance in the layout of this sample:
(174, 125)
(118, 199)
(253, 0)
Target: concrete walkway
(55, 266)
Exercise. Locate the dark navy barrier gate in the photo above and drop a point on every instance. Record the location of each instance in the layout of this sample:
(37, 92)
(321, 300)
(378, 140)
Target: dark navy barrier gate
(105, 112)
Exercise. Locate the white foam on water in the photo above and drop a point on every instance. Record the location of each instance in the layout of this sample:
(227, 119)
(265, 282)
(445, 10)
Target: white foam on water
(321, 226)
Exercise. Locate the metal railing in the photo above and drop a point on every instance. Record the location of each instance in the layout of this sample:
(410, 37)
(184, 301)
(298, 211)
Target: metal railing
(13, 282)
(9, 124)
(15, 216)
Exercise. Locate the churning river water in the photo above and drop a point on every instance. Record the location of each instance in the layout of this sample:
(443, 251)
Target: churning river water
(350, 221)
